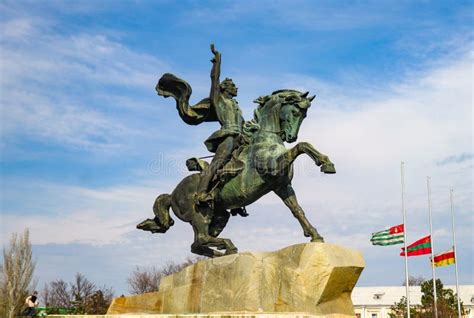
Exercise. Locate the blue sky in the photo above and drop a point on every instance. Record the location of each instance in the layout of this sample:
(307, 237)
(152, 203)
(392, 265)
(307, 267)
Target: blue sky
(86, 144)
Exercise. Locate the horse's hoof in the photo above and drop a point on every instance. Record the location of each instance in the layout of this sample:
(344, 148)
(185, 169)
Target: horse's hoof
(217, 254)
(144, 225)
(150, 225)
(317, 239)
(328, 168)
(232, 251)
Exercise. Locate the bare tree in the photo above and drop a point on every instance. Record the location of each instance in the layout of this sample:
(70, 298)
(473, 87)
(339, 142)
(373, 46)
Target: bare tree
(147, 279)
(2, 296)
(17, 274)
(414, 281)
(81, 291)
(144, 280)
(100, 301)
(81, 296)
(58, 294)
(45, 295)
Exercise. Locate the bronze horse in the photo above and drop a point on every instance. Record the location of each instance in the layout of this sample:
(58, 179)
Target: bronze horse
(267, 166)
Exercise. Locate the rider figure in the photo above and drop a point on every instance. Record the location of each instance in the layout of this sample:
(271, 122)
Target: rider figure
(226, 139)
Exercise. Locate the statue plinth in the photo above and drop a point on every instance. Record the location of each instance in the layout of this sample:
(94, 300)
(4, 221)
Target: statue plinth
(313, 278)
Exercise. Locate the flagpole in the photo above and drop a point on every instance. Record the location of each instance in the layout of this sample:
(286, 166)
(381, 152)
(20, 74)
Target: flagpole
(432, 248)
(455, 254)
(405, 240)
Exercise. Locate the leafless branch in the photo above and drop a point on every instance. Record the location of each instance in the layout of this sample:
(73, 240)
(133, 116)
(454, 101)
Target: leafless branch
(16, 274)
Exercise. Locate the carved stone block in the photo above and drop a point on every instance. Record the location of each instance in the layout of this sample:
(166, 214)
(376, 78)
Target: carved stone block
(313, 278)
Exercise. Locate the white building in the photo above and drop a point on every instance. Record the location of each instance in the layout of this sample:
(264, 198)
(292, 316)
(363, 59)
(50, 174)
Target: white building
(375, 302)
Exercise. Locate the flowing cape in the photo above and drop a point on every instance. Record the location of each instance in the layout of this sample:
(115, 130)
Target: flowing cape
(180, 90)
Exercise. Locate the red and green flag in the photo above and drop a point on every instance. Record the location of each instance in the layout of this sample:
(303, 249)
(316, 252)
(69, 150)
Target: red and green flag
(444, 258)
(420, 247)
(391, 236)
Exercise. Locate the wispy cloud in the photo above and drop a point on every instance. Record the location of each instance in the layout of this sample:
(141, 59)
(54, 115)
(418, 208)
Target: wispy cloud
(297, 14)
(455, 159)
(49, 82)
(62, 214)
(57, 120)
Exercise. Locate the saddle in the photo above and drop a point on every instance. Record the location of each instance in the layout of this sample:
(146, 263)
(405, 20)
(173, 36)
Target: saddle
(230, 170)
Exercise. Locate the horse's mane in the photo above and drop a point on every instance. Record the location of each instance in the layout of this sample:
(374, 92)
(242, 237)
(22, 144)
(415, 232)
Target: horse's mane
(287, 96)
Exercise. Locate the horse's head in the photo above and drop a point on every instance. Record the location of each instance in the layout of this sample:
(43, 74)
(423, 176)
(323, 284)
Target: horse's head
(283, 112)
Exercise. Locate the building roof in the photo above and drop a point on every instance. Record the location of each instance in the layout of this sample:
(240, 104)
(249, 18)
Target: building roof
(388, 295)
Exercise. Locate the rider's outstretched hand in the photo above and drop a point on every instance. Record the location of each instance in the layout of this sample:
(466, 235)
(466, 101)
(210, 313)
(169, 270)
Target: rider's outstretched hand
(216, 53)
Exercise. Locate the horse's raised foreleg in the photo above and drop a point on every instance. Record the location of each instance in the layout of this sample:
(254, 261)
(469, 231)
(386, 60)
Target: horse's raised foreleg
(287, 194)
(286, 159)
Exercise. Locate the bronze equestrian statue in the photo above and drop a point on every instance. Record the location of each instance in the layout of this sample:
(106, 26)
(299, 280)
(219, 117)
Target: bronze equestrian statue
(250, 160)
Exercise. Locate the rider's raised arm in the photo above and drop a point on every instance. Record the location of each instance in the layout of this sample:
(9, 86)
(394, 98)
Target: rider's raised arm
(215, 74)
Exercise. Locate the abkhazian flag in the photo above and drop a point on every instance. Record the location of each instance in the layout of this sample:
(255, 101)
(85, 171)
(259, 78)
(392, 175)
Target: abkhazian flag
(420, 247)
(391, 236)
(444, 258)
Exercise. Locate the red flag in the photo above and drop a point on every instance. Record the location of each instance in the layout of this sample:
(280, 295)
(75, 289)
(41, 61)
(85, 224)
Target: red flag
(420, 247)
(396, 229)
(444, 258)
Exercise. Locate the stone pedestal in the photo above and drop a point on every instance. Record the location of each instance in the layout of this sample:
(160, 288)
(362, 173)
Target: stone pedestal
(312, 278)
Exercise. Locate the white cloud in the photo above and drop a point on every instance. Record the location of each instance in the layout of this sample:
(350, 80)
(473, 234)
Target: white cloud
(66, 123)
(62, 214)
(17, 28)
(420, 122)
(49, 82)
(297, 14)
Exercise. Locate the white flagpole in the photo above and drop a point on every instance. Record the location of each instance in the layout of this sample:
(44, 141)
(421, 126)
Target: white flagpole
(455, 254)
(405, 240)
(432, 249)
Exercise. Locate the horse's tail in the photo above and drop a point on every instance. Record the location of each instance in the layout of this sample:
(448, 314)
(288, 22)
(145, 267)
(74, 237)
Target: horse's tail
(162, 221)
